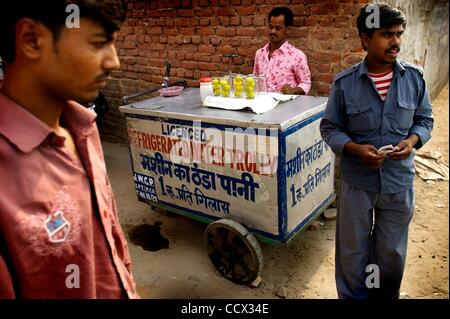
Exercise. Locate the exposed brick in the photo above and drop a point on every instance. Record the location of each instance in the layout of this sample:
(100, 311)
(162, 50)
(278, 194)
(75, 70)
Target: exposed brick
(221, 31)
(235, 21)
(187, 31)
(185, 13)
(170, 31)
(203, 3)
(225, 21)
(226, 49)
(246, 31)
(196, 39)
(215, 41)
(225, 11)
(246, 21)
(182, 22)
(325, 77)
(324, 8)
(207, 66)
(189, 65)
(327, 56)
(202, 58)
(154, 30)
(251, 10)
(194, 34)
(246, 51)
(206, 49)
(204, 12)
(326, 21)
(214, 21)
(204, 31)
(204, 21)
(259, 21)
(236, 42)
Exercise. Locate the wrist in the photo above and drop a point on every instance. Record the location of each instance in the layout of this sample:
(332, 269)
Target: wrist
(351, 148)
(412, 140)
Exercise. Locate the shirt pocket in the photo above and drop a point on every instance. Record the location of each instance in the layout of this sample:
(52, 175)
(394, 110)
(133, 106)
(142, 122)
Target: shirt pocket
(404, 114)
(360, 117)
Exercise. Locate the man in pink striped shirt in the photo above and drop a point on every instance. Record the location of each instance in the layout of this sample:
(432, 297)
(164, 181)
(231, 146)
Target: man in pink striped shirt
(284, 66)
(60, 235)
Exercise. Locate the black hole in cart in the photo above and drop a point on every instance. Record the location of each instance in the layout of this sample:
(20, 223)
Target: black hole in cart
(149, 237)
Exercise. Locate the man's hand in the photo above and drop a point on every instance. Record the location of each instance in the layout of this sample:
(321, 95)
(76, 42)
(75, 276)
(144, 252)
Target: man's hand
(404, 148)
(367, 153)
(287, 89)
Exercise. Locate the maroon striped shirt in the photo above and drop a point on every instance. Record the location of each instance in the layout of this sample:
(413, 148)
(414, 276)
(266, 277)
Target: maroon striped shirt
(382, 82)
(58, 217)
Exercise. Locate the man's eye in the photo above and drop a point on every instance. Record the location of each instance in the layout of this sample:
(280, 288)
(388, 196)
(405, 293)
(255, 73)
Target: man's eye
(99, 45)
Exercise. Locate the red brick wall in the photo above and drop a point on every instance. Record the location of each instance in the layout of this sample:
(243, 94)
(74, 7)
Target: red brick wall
(193, 35)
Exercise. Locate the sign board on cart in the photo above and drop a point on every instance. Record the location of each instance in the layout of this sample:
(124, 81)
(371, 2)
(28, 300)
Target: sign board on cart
(271, 175)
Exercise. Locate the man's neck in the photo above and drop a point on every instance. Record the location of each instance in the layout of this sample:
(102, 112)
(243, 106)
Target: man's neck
(275, 46)
(30, 95)
(378, 68)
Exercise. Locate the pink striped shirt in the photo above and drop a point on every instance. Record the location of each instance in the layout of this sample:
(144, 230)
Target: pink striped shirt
(58, 218)
(382, 82)
(288, 65)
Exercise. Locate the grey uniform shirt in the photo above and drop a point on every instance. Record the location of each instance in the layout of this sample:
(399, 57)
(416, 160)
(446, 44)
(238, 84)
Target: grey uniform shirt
(355, 112)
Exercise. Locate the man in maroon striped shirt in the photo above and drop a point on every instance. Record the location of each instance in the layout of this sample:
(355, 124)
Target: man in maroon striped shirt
(60, 235)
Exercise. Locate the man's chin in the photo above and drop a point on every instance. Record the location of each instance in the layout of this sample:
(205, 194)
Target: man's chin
(87, 98)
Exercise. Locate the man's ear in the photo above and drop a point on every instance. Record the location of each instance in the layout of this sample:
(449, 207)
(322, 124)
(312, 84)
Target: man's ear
(29, 38)
(365, 41)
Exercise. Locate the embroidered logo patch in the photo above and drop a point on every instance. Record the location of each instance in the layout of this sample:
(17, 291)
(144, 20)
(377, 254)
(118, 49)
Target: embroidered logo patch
(57, 227)
(55, 231)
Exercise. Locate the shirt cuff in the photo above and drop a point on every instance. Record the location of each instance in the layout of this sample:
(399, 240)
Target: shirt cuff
(422, 133)
(338, 142)
(305, 87)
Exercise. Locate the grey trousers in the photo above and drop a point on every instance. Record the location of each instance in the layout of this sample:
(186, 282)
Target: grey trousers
(371, 229)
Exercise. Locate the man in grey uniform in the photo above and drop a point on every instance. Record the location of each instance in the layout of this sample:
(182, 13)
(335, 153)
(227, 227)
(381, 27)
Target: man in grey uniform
(380, 101)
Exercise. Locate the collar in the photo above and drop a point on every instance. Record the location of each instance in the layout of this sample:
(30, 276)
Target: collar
(284, 47)
(362, 68)
(27, 132)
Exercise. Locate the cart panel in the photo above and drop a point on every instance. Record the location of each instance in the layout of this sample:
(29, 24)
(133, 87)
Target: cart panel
(309, 172)
(205, 170)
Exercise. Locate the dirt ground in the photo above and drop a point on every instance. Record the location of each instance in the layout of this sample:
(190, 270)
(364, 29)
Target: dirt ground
(303, 269)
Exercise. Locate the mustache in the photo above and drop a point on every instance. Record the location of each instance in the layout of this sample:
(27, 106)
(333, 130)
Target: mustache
(272, 35)
(103, 76)
(394, 47)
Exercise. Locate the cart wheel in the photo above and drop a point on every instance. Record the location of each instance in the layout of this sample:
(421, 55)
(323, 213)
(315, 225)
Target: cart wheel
(234, 251)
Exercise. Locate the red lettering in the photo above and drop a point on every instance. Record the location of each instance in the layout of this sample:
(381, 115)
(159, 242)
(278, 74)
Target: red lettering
(144, 140)
(249, 163)
(163, 145)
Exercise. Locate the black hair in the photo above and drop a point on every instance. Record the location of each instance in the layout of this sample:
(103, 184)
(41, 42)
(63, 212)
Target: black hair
(389, 16)
(109, 13)
(288, 15)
